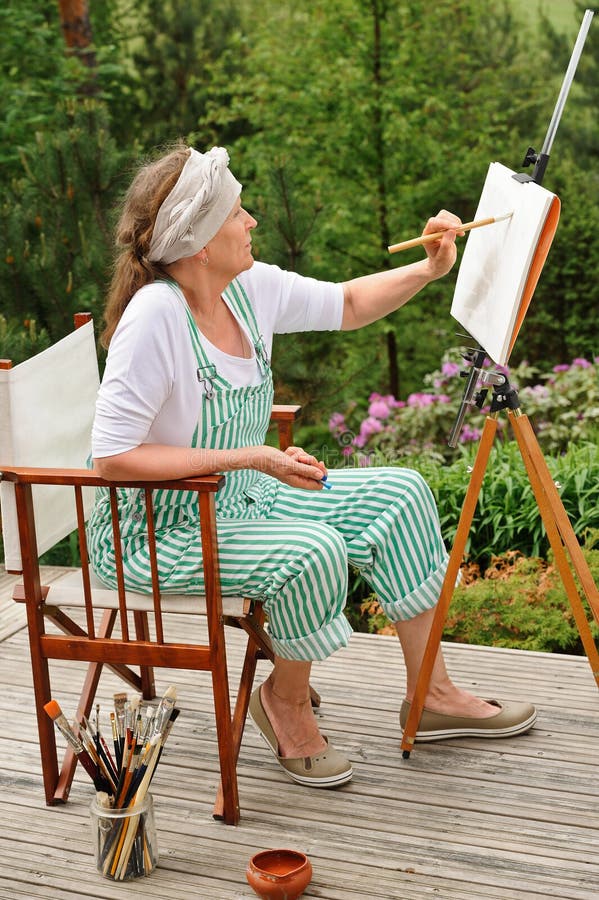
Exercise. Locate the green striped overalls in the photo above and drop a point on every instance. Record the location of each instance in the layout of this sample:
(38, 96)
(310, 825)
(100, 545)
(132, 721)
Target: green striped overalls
(287, 546)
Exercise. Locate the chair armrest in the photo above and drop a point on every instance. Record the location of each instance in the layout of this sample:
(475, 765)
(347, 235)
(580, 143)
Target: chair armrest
(283, 416)
(285, 413)
(83, 478)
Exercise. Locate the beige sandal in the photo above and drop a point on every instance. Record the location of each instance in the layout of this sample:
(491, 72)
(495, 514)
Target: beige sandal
(511, 719)
(325, 770)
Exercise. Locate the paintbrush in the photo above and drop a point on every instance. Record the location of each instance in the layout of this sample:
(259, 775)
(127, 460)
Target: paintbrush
(56, 714)
(138, 790)
(120, 701)
(123, 851)
(165, 707)
(437, 235)
(91, 743)
(141, 771)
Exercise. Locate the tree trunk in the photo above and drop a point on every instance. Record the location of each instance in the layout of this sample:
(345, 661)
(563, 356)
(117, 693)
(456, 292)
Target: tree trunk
(379, 12)
(77, 31)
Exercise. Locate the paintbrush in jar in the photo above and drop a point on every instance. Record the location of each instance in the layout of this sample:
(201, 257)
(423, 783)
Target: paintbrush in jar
(100, 781)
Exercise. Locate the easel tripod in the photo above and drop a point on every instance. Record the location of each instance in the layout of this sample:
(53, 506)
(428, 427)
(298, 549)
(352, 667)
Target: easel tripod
(564, 544)
(566, 549)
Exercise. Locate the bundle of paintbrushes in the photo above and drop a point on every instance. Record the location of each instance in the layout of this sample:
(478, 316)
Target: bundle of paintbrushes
(122, 777)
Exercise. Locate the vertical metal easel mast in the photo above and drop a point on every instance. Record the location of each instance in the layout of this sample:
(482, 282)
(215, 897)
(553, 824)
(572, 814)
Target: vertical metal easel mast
(541, 159)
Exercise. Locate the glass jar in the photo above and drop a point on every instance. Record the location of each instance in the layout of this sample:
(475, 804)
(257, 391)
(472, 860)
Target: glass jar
(125, 842)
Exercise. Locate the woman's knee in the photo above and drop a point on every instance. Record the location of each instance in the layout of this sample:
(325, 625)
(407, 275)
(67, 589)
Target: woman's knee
(323, 548)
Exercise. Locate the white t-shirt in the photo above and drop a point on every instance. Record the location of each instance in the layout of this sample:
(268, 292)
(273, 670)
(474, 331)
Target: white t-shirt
(150, 393)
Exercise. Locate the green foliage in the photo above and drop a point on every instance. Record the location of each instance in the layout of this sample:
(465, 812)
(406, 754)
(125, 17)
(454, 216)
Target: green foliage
(519, 603)
(563, 406)
(55, 223)
(35, 74)
(507, 516)
(21, 340)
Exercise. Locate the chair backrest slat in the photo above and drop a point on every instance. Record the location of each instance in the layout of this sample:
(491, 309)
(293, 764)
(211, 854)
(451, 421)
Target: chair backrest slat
(154, 566)
(87, 591)
(118, 560)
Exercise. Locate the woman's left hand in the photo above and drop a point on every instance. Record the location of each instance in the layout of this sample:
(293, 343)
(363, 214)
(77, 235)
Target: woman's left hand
(300, 455)
(442, 253)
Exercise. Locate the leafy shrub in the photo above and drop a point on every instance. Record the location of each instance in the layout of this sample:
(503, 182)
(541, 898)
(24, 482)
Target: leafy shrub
(520, 602)
(563, 406)
(20, 340)
(507, 516)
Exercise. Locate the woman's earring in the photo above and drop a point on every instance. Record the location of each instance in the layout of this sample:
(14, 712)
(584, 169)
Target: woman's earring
(204, 259)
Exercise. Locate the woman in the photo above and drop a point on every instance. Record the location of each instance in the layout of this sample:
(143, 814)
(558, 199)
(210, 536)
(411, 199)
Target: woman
(188, 390)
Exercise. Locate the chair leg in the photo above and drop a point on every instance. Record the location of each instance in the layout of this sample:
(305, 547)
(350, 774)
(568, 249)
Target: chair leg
(222, 713)
(43, 694)
(142, 632)
(252, 652)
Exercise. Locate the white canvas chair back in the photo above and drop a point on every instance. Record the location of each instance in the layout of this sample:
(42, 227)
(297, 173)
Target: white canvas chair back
(46, 412)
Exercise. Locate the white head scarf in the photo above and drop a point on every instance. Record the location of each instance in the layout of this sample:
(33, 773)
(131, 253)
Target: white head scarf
(196, 207)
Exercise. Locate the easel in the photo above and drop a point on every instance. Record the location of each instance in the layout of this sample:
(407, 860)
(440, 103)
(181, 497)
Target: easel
(568, 555)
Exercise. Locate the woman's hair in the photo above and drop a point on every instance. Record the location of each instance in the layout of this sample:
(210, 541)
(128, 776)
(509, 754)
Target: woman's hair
(150, 187)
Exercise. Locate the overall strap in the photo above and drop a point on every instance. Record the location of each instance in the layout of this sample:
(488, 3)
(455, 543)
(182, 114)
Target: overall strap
(240, 302)
(206, 370)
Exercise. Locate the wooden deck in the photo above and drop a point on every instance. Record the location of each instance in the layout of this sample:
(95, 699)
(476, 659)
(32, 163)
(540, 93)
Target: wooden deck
(463, 819)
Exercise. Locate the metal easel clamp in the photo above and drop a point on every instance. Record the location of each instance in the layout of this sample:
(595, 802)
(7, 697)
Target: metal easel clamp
(505, 397)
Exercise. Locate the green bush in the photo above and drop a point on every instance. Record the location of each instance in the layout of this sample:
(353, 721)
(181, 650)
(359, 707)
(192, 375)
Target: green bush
(20, 340)
(563, 406)
(507, 516)
(520, 602)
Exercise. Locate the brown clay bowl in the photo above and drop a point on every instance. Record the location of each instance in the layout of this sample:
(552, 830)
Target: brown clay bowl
(279, 874)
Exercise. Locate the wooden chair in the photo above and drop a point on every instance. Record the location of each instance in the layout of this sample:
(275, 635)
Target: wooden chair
(47, 407)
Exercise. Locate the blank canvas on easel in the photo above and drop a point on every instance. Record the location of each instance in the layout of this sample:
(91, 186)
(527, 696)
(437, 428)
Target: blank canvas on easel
(498, 258)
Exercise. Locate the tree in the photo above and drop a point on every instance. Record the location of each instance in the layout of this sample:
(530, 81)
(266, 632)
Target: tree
(383, 113)
(77, 30)
(55, 221)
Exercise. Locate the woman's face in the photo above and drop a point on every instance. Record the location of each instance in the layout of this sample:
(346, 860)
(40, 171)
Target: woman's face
(230, 250)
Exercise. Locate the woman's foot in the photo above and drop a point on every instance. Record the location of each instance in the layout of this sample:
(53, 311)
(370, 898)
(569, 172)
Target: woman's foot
(293, 722)
(450, 700)
(507, 720)
(326, 769)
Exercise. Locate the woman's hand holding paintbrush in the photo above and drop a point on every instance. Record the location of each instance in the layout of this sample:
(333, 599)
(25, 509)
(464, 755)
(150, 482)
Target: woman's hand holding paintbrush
(431, 237)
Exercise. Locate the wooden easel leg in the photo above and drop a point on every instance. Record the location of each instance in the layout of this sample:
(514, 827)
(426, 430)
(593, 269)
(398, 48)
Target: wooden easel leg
(560, 533)
(453, 568)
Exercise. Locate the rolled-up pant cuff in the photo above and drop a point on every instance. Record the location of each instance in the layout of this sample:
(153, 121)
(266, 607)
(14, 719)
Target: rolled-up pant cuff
(316, 646)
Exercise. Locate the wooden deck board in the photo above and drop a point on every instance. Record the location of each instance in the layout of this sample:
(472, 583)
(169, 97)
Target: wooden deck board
(469, 818)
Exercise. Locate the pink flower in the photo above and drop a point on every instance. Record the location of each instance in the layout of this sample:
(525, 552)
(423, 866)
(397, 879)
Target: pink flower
(450, 369)
(421, 400)
(379, 409)
(563, 367)
(369, 427)
(581, 363)
(469, 434)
